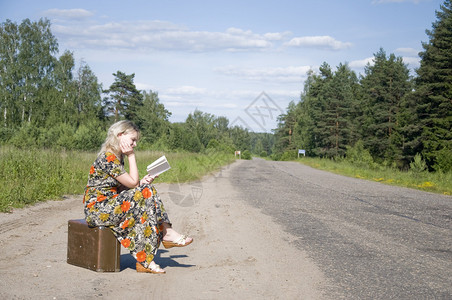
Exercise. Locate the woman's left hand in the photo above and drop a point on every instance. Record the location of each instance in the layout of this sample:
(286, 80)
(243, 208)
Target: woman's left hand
(147, 179)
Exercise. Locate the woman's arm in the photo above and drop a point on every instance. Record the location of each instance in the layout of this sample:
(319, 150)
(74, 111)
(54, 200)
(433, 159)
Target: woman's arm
(130, 179)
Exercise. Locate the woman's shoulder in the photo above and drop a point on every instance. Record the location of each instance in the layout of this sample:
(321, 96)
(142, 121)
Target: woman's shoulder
(109, 156)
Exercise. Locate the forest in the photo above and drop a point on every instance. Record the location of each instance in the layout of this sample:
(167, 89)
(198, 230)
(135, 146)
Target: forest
(387, 114)
(45, 103)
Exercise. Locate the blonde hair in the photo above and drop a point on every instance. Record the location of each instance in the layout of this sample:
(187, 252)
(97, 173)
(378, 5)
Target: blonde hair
(112, 141)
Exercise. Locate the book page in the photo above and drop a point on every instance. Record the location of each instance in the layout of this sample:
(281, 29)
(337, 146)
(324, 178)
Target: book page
(158, 167)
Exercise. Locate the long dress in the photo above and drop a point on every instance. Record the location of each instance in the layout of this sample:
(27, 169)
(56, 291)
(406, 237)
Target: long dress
(135, 215)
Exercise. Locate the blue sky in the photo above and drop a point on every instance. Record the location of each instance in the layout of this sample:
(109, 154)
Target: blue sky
(245, 60)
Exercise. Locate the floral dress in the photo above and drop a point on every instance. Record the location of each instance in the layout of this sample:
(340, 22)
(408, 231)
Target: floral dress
(134, 215)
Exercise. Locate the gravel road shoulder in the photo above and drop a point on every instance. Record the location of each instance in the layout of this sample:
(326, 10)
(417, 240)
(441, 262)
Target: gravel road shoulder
(237, 252)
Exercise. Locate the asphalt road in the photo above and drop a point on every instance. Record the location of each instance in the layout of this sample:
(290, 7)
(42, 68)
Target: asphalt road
(371, 240)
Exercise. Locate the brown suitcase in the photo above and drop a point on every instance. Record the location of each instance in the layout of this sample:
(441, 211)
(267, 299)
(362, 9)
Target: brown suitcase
(94, 248)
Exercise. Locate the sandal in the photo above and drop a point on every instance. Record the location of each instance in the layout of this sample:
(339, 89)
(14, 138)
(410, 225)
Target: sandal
(154, 270)
(180, 242)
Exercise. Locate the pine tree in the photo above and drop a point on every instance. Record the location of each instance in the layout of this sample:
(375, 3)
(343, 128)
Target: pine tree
(384, 85)
(433, 94)
(327, 114)
(124, 99)
(341, 111)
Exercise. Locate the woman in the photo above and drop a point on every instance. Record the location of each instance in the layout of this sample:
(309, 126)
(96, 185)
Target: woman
(129, 206)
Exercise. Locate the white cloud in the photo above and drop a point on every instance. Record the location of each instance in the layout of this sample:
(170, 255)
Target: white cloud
(281, 74)
(71, 14)
(323, 42)
(159, 36)
(361, 63)
(144, 86)
(409, 51)
(186, 90)
(413, 61)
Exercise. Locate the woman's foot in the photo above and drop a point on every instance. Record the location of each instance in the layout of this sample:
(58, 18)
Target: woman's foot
(171, 238)
(153, 268)
(181, 241)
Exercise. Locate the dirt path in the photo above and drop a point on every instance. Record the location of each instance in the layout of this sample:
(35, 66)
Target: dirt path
(238, 253)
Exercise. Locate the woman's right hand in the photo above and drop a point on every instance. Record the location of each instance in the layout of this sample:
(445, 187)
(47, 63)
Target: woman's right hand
(126, 145)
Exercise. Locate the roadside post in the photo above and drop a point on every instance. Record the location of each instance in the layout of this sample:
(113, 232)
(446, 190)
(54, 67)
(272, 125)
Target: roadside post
(301, 151)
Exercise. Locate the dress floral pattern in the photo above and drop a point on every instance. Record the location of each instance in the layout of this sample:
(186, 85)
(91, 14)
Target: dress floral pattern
(134, 215)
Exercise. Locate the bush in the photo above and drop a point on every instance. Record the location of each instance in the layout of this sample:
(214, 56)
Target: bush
(418, 165)
(359, 156)
(6, 134)
(89, 137)
(60, 136)
(443, 160)
(26, 137)
(289, 155)
(246, 155)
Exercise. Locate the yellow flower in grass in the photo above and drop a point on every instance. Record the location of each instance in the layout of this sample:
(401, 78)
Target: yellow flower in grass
(117, 210)
(104, 217)
(426, 184)
(147, 231)
(379, 179)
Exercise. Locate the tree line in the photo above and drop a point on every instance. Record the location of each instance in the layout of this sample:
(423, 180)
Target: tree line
(45, 102)
(385, 112)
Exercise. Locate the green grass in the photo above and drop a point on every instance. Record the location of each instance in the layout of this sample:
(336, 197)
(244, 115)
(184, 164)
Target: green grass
(30, 176)
(435, 182)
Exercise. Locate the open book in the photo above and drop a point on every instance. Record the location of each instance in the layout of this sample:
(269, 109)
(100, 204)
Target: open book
(158, 167)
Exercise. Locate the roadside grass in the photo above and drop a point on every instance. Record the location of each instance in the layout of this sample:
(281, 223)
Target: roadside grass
(435, 182)
(30, 176)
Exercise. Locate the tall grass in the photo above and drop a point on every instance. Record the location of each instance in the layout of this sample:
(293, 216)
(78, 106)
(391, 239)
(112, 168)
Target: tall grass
(29, 176)
(436, 182)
